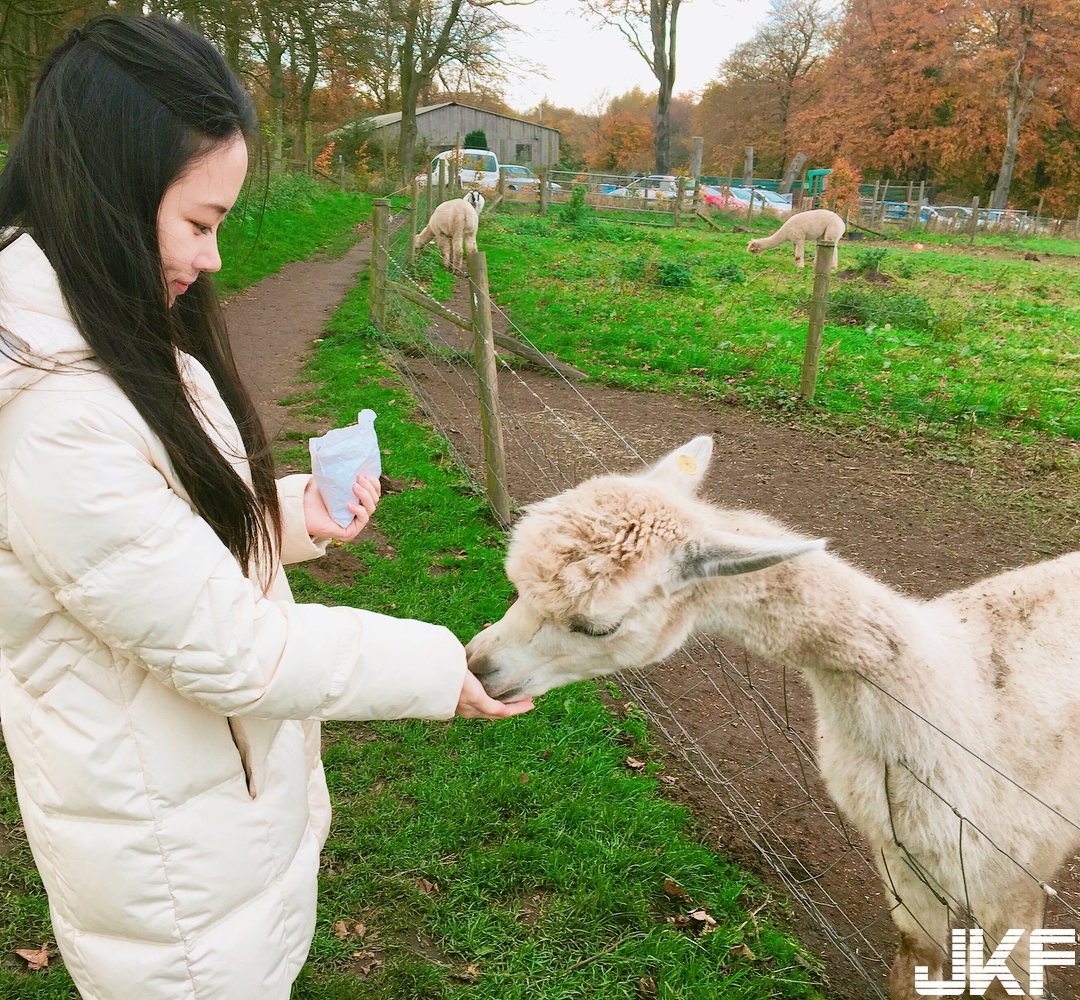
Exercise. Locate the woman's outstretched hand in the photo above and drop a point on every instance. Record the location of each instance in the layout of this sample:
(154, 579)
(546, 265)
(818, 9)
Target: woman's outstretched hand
(321, 525)
(475, 703)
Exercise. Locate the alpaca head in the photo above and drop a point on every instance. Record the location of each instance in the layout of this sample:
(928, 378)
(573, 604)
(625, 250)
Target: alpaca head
(755, 247)
(476, 199)
(609, 575)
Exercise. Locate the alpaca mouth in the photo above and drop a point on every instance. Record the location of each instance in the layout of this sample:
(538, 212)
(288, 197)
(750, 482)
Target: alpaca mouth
(511, 694)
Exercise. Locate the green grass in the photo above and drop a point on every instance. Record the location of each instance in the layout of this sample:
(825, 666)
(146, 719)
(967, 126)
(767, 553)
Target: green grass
(954, 343)
(287, 219)
(547, 848)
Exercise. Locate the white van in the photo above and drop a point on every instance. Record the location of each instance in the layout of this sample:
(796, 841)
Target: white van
(476, 167)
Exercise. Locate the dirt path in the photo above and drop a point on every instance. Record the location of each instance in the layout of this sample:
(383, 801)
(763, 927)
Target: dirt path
(921, 525)
(273, 322)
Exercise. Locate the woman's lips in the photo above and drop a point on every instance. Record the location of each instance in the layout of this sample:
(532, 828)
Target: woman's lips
(181, 286)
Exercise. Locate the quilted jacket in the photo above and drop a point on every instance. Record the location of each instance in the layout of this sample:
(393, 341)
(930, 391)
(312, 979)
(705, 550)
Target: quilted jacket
(160, 709)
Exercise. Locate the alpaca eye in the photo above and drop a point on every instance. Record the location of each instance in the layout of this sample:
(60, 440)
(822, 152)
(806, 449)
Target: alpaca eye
(586, 627)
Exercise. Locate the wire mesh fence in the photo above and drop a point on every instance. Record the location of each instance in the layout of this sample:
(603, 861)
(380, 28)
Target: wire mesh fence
(743, 728)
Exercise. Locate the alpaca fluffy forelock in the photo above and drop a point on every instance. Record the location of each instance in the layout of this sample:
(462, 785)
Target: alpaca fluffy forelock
(570, 553)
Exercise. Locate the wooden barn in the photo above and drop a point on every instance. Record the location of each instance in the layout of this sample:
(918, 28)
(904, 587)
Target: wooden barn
(444, 126)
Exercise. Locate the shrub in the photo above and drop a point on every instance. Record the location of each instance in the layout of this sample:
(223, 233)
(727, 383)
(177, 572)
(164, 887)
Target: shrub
(870, 259)
(729, 273)
(858, 308)
(575, 212)
(477, 139)
(672, 274)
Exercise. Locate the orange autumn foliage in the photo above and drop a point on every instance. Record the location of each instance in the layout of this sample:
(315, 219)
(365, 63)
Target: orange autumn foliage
(623, 142)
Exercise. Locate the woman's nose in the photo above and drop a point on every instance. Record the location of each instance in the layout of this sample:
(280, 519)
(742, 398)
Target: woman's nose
(209, 259)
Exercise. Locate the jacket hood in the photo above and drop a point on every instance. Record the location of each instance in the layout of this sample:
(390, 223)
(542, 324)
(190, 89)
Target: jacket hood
(37, 334)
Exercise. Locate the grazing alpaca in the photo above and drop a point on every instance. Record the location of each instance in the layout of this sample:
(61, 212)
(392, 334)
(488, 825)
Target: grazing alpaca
(453, 224)
(820, 224)
(621, 570)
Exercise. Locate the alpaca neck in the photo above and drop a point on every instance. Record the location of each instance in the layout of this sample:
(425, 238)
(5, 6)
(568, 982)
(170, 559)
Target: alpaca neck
(817, 613)
(768, 242)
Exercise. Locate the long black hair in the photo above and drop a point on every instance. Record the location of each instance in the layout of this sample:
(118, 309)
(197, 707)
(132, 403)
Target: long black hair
(122, 109)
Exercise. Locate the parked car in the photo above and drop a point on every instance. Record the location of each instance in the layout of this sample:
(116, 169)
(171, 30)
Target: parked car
(713, 195)
(654, 186)
(476, 167)
(519, 178)
(763, 199)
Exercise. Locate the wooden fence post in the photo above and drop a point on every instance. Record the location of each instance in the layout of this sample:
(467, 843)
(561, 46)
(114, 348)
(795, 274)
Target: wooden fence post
(1038, 217)
(487, 373)
(501, 199)
(748, 167)
(819, 306)
(974, 219)
(543, 191)
(697, 195)
(1078, 223)
(430, 188)
(414, 211)
(677, 207)
(380, 238)
(442, 181)
(750, 207)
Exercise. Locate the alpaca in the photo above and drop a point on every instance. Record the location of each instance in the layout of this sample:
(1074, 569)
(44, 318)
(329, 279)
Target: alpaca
(619, 572)
(820, 224)
(453, 224)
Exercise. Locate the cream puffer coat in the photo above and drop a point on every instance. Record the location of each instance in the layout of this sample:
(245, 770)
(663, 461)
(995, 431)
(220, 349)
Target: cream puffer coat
(151, 694)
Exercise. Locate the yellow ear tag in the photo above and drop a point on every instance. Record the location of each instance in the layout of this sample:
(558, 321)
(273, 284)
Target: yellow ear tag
(686, 464)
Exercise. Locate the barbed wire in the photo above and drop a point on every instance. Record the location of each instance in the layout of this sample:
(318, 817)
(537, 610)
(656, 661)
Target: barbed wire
(813, 883)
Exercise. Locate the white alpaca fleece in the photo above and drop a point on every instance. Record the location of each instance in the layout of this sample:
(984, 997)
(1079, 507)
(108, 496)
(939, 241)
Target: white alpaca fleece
(820, 224)
(453, 225)
(619, 572)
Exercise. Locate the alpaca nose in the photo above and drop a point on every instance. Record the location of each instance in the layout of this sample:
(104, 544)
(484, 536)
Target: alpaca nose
(479, 663)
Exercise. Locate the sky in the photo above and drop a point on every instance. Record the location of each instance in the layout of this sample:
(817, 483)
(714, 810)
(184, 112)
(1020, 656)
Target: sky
(573, 64)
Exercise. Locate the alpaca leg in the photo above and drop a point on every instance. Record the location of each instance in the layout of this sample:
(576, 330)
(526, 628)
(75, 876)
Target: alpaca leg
(913, 952)
(800, 249)
(923, 924)
(458, 254)
(444, 249)
(835, 254)
(1025, 910)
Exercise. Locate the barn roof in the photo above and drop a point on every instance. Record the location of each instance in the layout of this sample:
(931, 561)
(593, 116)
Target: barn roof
(381, 121)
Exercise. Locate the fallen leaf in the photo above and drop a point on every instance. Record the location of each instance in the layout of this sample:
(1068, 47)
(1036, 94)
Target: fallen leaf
(524, 779)
(634, 764)
(366, 961)
(470, 974)
(35, 960)
(703, 923)
(742, 951)
(360, 929)
(668, 779)
(646, 988)
(426, 887)
(341, 929)
(674, 890)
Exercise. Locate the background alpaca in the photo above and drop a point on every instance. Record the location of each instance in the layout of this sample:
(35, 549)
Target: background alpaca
(819, 224)
(620, 571)
(453, 225)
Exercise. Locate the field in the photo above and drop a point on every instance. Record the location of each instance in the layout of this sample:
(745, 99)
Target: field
(938, 341)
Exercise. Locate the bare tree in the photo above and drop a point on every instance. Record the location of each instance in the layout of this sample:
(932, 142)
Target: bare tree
(649, 26)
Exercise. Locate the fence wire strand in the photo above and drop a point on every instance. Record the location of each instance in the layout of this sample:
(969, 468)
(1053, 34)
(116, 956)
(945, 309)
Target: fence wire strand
(425, 358)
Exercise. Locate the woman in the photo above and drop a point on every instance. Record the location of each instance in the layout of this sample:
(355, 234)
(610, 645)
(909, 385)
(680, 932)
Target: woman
(154, 671)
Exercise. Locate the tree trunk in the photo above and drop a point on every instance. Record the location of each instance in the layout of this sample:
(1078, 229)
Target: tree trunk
(663, 15)
(1020, 97)
(276, 83)
(311, 56)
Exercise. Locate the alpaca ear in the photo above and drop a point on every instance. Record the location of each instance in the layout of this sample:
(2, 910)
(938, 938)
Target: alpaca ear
(734, 554)
(685, 467)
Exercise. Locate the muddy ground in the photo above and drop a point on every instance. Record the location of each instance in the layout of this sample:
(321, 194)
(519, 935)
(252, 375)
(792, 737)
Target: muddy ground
(742, 733)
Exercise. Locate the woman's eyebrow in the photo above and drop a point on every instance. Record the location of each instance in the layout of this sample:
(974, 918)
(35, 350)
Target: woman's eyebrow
(220, 209)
